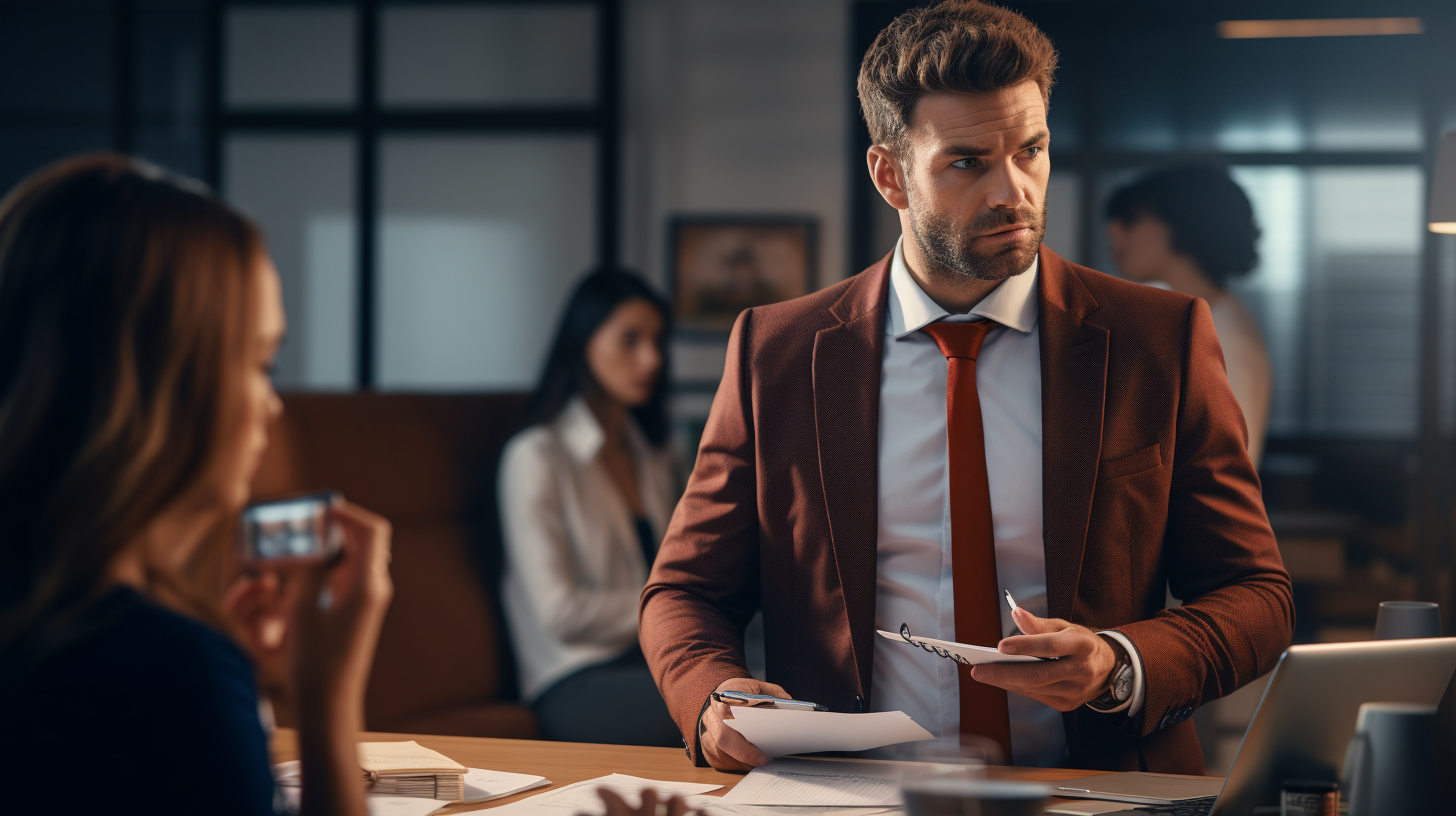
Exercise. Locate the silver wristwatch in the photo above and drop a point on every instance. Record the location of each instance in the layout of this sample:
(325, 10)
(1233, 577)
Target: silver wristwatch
(1119, 689)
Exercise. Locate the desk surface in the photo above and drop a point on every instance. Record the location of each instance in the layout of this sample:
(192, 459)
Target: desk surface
(567, 762)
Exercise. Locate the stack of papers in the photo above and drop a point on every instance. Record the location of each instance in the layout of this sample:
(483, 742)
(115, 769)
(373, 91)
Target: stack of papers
(411, 769)
(781, 731)
(471, 786)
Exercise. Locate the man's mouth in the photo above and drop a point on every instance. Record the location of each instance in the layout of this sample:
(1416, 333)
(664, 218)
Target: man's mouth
(1009, 233)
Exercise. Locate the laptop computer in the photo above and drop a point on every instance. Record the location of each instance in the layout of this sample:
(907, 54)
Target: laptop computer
(1307, 715)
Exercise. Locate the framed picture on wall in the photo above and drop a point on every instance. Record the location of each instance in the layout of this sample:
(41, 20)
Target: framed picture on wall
(721, 265)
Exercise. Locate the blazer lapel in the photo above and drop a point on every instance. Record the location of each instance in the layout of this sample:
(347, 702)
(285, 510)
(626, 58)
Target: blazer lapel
(846, 370)
(1073, 386)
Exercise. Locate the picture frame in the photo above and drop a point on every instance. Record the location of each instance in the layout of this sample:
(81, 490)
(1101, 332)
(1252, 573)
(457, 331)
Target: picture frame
(720, 265)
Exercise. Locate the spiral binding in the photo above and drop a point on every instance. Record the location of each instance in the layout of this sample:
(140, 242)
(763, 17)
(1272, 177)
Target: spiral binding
(910, 639)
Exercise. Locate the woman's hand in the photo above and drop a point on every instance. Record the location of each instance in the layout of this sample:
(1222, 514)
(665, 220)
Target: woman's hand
(651, 805)
(336, 619)
(259, 605)
(333, 631)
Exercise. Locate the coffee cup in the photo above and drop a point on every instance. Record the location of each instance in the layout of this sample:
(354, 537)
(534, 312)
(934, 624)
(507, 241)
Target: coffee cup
(1400, 620)
(1389, 765)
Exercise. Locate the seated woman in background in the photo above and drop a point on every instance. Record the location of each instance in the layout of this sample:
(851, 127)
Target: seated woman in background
(139, 317)
(586, 491)
(1193, 229)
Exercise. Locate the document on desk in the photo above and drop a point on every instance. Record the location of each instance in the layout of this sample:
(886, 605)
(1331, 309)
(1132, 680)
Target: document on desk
(779, 731)
(483, 786)
(377, 805)
(818, 784)
(714, 806)
(581, 797)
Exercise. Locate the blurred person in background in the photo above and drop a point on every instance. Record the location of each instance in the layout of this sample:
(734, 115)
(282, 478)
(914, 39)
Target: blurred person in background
(1193, 229)
(139, 318)
(586, 491)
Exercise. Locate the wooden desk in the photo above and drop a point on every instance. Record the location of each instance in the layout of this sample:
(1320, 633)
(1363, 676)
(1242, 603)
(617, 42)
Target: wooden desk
(567, 762)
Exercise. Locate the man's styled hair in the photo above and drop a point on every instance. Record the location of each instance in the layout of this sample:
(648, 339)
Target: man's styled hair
(955, 46)
(1208, 214)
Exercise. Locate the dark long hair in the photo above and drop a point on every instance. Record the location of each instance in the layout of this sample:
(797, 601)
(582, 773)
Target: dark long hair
(566, 370)
(124, 307)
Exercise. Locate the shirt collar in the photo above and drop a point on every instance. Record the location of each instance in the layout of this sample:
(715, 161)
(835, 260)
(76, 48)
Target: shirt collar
(584, 436)
(580, 432)
(1013, 303)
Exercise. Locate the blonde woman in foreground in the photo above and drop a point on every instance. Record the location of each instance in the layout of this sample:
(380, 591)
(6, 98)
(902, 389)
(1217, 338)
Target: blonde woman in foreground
(139, 318)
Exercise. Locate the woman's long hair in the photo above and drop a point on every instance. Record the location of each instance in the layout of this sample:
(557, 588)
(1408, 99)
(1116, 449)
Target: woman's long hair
(124, 316)
(566, 372)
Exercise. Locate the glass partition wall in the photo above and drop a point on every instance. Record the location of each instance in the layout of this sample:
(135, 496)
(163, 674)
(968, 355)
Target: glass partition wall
(432, 177)
(1332, 138)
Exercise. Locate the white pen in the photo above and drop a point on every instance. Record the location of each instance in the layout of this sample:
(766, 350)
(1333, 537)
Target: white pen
(1012, 601)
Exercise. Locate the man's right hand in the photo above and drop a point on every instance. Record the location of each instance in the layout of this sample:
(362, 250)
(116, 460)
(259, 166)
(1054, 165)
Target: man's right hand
(723, 747)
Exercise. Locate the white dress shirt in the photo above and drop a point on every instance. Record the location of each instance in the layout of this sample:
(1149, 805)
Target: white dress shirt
(913, 584)
(574, 565)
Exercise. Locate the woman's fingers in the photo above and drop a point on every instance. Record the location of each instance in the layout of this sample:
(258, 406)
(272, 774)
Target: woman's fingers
(652, 804)
(364, 564)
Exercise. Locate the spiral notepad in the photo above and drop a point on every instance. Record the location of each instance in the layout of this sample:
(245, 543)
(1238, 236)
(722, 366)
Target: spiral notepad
(962, 653)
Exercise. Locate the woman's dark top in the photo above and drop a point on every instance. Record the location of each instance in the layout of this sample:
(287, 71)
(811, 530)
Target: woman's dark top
(150, 712)
(646, 539)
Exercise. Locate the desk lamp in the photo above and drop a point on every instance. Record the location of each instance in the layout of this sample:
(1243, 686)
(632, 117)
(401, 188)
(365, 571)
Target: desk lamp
(1443, 188)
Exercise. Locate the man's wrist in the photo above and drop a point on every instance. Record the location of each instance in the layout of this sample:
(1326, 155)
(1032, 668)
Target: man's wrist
(1134, 703)
(1117, 688)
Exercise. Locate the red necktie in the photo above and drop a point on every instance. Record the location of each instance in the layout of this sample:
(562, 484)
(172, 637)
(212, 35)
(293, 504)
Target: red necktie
(973, 542)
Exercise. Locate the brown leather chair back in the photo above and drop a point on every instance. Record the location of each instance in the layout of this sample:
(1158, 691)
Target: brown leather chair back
(427, 462)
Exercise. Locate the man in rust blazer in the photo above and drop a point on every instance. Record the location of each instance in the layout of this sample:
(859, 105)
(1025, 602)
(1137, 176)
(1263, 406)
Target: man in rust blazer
(1115, 451)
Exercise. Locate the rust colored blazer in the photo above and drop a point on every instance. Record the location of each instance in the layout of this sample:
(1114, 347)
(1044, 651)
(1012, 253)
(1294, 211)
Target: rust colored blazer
(1146, 483)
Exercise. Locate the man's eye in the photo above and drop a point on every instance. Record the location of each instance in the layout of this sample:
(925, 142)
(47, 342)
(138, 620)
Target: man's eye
(966, 164)
(1034, 151)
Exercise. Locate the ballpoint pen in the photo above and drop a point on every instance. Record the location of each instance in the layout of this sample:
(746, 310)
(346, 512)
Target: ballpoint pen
(743, 698)
(1012, 601)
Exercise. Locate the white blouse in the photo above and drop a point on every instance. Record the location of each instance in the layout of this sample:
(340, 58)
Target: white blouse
(574, 564)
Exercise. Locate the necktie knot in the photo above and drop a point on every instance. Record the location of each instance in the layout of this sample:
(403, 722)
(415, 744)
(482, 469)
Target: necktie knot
(959, 340)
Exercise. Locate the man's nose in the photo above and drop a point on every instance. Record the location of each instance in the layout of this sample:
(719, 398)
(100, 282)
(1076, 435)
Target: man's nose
(1008, 187)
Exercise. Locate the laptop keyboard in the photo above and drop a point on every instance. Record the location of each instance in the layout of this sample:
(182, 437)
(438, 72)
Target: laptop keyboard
(1187, 807)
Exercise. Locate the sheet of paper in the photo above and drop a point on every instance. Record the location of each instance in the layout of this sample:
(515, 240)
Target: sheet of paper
(401, 805)
(715, 806)
(806, 783)
(581, 797)
(396, 757)
(378, 805)
(778, 731)
(482, 785)
(972, 654)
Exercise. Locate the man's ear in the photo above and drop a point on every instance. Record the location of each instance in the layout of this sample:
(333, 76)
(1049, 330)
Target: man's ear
(888, 176)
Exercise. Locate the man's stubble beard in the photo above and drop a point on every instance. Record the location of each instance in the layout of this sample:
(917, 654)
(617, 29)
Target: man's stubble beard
(949, 253)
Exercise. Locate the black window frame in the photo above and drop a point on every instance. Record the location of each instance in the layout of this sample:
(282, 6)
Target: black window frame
(367, 122)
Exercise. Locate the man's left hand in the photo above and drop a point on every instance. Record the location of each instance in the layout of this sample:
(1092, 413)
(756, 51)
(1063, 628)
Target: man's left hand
(1078, 677)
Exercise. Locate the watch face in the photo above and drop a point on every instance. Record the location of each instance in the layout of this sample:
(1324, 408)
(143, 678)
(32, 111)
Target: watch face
(1122, 686)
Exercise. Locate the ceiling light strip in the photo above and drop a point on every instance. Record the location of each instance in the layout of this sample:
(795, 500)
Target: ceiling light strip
(1342, 27)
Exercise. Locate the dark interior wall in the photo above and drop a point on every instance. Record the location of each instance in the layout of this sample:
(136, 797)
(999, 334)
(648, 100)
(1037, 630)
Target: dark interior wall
(85, 75)
(56, 94)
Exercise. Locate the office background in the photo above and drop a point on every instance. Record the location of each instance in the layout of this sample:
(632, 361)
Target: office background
(433, 176)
